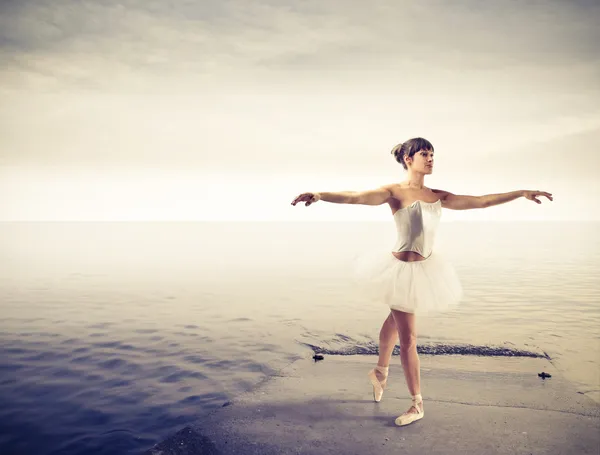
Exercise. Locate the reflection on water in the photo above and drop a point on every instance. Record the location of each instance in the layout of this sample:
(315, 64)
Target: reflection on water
(115, 335)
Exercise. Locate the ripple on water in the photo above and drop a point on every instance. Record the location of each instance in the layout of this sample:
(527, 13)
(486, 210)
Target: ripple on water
(65, 373)
(46, 356)
(11, 368)
(112, 364)
(174, 374)
(86, 359)
(121, 365)
(145, 331)
(194, 358)
(177, 377)
(16, 350)
(101, 325)
(115, 345)
(211, 399)
(117, 382)
(223, 363)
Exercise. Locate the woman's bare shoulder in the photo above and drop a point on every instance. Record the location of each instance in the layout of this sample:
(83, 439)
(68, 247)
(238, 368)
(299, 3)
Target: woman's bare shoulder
(396, 190)
(442, 194)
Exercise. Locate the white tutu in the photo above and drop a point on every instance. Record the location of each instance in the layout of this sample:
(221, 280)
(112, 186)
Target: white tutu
(427, 286)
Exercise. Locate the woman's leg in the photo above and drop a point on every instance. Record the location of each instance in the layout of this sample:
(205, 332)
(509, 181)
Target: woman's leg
(388, 338)
(407, 331)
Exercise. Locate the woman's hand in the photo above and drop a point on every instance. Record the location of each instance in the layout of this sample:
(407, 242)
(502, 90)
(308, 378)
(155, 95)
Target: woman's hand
(308, 198)
(533, 195)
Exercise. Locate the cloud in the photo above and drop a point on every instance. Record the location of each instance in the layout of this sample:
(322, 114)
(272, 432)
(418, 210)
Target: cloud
(96, 45)
(278, 86)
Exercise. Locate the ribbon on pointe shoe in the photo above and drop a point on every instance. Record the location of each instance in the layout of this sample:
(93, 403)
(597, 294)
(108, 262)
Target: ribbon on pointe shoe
(410, 417)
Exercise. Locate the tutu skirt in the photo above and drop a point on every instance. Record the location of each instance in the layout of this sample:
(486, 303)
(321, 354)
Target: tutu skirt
(423, 287)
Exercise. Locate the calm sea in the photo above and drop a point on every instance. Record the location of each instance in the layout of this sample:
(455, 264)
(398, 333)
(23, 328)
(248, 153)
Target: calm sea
(116, 335)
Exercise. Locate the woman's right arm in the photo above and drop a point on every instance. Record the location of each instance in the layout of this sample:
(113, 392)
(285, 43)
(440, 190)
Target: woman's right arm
(369, 197)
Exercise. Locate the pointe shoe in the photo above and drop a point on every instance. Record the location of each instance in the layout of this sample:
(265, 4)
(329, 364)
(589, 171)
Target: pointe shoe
(410, 417)
(378, 386)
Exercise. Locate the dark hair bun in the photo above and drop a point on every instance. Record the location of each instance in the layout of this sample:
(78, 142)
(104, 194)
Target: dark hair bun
(397, 152)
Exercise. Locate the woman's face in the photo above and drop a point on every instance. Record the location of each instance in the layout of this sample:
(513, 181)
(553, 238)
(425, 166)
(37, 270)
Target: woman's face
(422, 162)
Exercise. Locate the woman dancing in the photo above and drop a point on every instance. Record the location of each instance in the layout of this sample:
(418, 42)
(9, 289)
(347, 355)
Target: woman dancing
(412, 279)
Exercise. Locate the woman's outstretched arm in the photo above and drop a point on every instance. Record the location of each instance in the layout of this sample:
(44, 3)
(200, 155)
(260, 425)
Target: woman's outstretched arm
(369, 197)
(460, 202)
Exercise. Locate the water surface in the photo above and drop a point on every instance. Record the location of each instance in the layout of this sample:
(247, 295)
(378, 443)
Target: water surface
(115, 335)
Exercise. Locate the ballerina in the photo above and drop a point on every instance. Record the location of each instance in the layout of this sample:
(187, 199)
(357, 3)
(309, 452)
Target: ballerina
(413, 278)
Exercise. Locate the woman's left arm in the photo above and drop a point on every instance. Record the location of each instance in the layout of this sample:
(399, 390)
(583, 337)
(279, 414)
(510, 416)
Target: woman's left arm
(460, 202)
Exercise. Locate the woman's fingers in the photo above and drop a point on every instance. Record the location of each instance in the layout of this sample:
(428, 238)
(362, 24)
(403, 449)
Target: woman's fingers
(304, 197)
(537, 194)
(533, 195)
(298, 199)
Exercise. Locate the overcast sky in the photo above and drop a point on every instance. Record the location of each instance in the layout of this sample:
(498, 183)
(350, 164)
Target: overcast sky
(144, 109)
